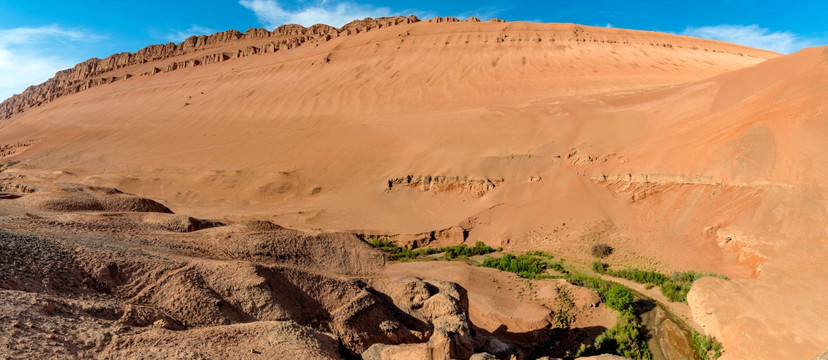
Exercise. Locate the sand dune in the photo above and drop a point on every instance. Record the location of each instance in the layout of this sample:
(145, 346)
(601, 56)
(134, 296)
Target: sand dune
(682, 153)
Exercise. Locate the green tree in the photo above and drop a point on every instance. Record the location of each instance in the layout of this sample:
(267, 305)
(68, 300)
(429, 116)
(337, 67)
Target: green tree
(619, 298)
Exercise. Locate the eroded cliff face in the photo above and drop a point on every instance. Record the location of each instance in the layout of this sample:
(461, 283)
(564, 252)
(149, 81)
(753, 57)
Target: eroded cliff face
(194, 51)
(232, 44)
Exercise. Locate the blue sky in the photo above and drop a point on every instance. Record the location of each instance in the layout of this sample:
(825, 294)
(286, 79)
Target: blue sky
(38, 38)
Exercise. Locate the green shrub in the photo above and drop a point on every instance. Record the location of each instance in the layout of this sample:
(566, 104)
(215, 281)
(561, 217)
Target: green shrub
(384, 244)
(626, 335)
(625, 339)
(585, 350)
(479, 248)
(691, 276)
(674, 287)
(676, 291)
(558, 266)
(525, 266)
(616, 296)
(677, 286)
(619, 298)
(531, 265)
(599, 267)
(707, 346)
(600, 286)
(640, 276)
(396, 252)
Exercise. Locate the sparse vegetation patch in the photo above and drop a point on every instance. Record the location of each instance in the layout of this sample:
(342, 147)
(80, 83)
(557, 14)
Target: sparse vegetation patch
(564, 316)
(707, 346)
(616, 296)
(674, 287)
(625, 338)
(396, 252)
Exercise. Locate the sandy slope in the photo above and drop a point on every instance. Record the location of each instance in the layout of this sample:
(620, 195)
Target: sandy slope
(291, 130)
(677, 151)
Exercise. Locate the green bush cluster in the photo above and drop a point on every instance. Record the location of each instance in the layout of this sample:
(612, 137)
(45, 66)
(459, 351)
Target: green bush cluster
(558, 266)
(531, 265)
(616, 296)
(600, 286)
(625, 338)
(396, 252)
(619, 298)
(479, 248)
(678, 285)
(642, 276)
(599, 267)
(525, 266)
(707, 346)
(554, 265)
(674, 287)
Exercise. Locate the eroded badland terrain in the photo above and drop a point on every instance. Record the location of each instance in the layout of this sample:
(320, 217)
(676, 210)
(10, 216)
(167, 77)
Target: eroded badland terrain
(297, 194)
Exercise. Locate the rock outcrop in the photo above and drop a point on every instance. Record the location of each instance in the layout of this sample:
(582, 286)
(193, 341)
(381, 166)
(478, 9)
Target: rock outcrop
(95, 72)
(186, 289)
(232, 44)
(439, 303)
(477, 187)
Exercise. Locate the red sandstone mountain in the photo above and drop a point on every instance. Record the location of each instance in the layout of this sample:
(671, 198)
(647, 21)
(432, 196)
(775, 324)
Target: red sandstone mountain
(682, 153)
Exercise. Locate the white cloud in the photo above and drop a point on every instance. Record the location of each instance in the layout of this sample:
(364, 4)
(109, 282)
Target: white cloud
(32, 55)
(272, 14)
(784, 42)
(179, 36)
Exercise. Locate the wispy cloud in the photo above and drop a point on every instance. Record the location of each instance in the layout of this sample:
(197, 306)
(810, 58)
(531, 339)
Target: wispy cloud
(271, 13)
(483, 13)
(30, 35)
(784, 42)
(31, 55)
(179, 36)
